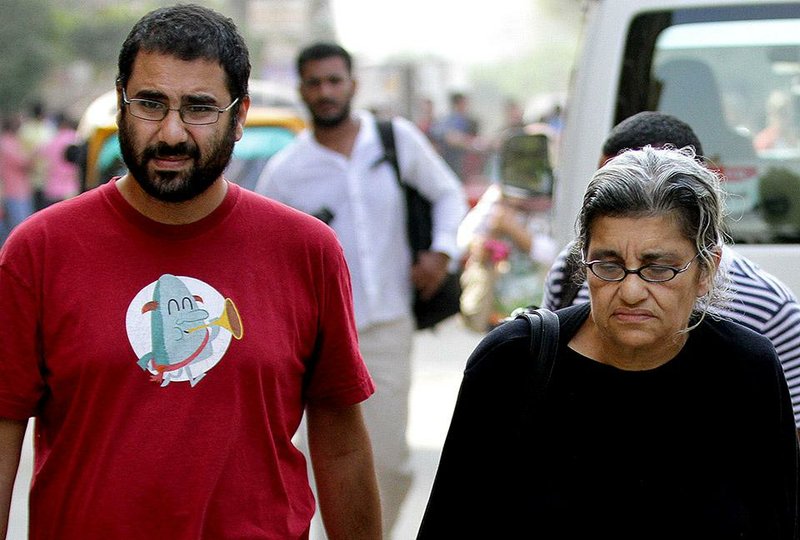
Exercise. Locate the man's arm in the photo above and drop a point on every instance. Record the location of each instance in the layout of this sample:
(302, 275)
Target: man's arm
(554, 281)
(341, 455)
(425, 170)
(12, 433)
(783, 331)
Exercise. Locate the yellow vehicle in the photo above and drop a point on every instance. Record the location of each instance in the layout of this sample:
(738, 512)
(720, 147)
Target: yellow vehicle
(274, 118)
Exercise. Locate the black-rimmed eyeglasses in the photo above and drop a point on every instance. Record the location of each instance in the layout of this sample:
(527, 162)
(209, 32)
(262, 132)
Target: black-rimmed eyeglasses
(652, 273)
(155, 111)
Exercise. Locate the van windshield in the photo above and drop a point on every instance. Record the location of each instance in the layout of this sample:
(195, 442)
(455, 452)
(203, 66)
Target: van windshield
(737, 83)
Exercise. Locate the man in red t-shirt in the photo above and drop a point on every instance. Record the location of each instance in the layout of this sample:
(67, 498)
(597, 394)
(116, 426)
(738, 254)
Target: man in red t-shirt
(169, 329)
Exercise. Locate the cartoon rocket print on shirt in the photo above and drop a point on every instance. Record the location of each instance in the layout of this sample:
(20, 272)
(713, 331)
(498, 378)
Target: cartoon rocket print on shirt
(180, 328)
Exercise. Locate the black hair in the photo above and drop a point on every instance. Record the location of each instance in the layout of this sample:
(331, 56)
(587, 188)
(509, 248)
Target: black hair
(650, 128)
(321, 51)
(37, 110)
(456, 98)
(189, 32)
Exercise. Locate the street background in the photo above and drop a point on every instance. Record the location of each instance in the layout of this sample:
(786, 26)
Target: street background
(63, 53)
(439, 358)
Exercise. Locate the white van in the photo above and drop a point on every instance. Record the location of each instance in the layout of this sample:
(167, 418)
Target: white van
(731, 70)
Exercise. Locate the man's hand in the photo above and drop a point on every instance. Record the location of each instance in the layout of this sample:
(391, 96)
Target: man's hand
(429, 272)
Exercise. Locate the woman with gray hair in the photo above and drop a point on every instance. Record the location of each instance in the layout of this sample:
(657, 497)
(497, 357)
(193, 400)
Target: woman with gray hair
(656, 421)
(647, 185)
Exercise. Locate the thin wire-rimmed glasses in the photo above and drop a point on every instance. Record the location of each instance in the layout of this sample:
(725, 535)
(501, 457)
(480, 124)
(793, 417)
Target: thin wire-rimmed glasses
(652, 273)
(155, 111)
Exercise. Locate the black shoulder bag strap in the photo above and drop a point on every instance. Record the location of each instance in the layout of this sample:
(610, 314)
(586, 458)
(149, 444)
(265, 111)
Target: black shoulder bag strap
(386, 133)
(389, 152)
(418, 209)
(543, 349)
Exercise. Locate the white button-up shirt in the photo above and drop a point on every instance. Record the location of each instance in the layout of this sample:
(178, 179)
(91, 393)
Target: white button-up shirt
(368, 207)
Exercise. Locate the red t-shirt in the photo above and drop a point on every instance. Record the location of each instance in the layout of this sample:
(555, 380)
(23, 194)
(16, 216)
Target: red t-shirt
(168, 366)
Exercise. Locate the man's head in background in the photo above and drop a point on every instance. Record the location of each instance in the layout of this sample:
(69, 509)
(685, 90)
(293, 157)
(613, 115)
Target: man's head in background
(327, 86)
(649, 128)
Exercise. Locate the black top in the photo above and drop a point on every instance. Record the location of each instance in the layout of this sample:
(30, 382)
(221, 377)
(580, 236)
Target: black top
(703, 446)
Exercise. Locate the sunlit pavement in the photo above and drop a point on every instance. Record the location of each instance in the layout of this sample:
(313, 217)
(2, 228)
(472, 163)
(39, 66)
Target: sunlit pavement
(18, 519)
(439, 357)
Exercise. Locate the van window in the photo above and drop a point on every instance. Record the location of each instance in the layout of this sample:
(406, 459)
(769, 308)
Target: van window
(734, 76)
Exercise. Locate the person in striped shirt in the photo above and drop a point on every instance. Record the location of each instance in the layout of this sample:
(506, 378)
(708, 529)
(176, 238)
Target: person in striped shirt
(756, 299)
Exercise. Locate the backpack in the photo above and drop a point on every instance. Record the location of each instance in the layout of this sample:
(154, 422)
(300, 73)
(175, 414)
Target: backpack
(419, 220)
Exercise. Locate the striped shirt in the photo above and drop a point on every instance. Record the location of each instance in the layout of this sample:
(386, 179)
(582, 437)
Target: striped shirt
(757, 300)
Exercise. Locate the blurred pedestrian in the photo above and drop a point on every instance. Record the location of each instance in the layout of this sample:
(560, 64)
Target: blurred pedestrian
(168, 329)
(513, 122)
(780, 132)
(651, 418)
(507, 234)
(457, 137)
(426, 117)
(14, 168)
(338, 171)
(61, 175)
(513, 114)
(756, 299)
(35, 132)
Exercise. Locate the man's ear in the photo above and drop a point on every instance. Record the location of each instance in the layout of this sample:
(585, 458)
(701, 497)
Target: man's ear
(244, 106)
(120, 104)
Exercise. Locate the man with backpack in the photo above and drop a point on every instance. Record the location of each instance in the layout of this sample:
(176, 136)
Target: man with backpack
(340, 172)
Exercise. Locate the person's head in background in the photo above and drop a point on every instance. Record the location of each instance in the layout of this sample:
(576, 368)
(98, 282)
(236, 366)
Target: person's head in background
(327, 86)
(652, 128)
(459, 102)
(513, 114)
(64, 121)
(37, 111)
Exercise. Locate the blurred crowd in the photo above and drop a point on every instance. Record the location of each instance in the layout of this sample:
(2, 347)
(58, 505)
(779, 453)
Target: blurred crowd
(505, 238)
(467, 148)
(34, 169)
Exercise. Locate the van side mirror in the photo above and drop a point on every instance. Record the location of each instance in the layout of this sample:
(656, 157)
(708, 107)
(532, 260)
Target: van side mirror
(525, 164)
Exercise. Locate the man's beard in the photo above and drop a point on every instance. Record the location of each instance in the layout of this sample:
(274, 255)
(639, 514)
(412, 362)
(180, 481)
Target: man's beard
(176, 186)
(331, 121)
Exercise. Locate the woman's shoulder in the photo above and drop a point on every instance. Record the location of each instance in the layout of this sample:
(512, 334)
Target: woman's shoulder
(510, 343)
(730, 343)
(730, 334)
(505, 343)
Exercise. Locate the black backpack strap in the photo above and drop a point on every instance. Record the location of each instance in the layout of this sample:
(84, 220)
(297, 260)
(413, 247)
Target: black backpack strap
(386, 133)
(419, 222)
(543, 349)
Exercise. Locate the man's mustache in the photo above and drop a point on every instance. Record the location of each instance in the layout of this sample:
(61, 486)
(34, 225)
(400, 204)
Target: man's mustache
(167, 150)
(326, 101)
